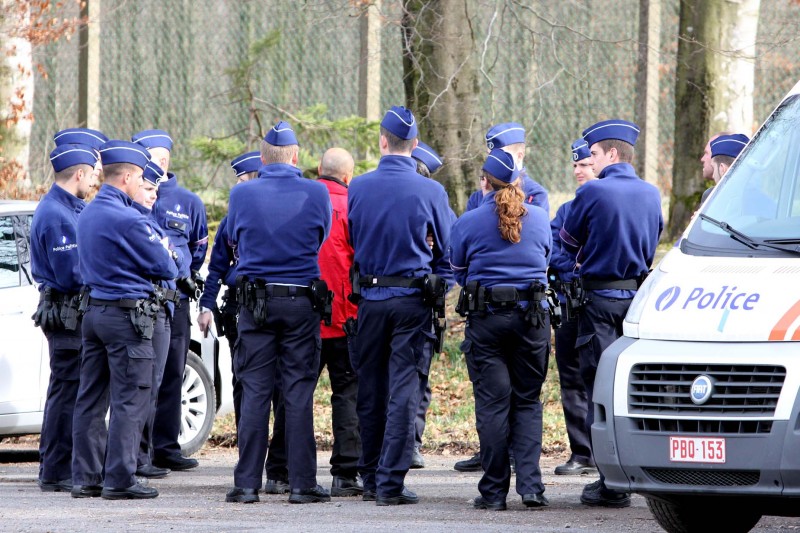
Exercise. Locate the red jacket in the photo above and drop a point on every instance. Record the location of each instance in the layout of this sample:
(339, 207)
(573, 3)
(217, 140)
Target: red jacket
(335, 260)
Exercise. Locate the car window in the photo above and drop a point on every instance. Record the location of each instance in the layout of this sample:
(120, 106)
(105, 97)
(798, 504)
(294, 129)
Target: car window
(15, 256)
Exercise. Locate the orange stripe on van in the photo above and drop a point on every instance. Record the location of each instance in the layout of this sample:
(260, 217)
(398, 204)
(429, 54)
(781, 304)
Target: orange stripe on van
(780, 330)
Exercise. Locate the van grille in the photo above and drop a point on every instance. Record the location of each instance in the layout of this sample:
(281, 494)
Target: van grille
(739, 390)
(715, 478)
(679, 426)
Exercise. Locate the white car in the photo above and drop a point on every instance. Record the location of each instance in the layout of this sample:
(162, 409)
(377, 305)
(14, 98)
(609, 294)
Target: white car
(24, 364)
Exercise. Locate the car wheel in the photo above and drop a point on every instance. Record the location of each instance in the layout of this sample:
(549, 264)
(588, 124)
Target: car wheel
(198, 406)
(687, 515)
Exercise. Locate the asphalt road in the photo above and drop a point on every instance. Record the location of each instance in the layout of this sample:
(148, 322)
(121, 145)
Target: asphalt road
(195, 501)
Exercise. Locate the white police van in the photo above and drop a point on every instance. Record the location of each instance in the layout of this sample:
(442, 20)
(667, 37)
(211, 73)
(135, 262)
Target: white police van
(24, 357)
(696, 406)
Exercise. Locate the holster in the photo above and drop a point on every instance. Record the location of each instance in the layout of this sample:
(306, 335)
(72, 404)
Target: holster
(216, 312)
(350, 327)
(471, 299)
(555, 307)
(322, 300)
(537, 293)
(575, 295)
(258, 297)
(70, 311)
(355, 276)
(143, 317)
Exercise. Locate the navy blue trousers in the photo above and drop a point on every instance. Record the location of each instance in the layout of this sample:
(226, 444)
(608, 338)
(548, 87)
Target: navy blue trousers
(424, 395)
(167, 424)
(507, 363)
(574, 398)
(161, 339)
(55, 443)
(288, 343)
(388, 356)
(116, 370)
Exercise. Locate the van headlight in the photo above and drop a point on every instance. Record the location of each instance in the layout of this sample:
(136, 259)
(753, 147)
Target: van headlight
(643, 296)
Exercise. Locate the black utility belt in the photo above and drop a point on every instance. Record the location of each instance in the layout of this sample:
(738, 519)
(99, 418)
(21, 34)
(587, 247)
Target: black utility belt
(506, 295)
(124, 303)
(255, 294)
(476, 298)
(611, 284)
(398, 282)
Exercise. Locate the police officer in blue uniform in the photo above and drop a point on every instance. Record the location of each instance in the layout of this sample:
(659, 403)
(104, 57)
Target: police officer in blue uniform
(562, 273)
(280, 299)
(510, 136)
(499, 253)
(391, 211)
(613, 227)
(723, 150)
(120, 255)
(182, 216)
(143, 202)
(54, 265)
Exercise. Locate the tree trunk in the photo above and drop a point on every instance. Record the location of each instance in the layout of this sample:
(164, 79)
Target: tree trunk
(441, 86)
(713, 91)
(16, 93)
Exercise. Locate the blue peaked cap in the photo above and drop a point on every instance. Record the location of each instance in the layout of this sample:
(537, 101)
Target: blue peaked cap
(501, 165)
(116, 151)
(616, 128)
(153, 139)
(504, 134)
(84, 136)
(154, 174)
(729, 145)
(249, 162)
(580, 150)
(427, 156)
(69, 155)
(281, 134)
(400, 122)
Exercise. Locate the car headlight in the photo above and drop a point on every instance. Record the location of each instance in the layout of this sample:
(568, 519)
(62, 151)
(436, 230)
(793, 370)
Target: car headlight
(643, 295)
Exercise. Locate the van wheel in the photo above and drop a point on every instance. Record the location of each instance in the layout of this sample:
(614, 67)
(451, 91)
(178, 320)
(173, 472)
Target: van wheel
(681, 516)
(197, 405)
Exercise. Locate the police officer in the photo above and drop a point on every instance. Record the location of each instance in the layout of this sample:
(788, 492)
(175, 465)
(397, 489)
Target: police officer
(393, 258)
(54, 265)
(723, 150)
(143, 201)
(562, 273)
(279, 302)
(510, 136)
(613, 227)
(119, 256)
(499, 253)
(182, 216)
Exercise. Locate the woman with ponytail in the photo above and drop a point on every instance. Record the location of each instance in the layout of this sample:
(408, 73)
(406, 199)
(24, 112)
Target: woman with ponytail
(499, 254)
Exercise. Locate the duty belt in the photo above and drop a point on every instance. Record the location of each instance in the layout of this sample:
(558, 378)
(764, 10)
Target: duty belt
(287, 290)
(607, 284)
(522, 295)
(124, 303)
(391, 281)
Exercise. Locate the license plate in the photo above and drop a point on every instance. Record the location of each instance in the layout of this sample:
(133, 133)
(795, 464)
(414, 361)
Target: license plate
(696, 450)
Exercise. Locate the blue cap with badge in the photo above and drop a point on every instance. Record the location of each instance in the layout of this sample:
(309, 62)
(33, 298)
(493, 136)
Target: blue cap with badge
(69, 155)
(729, 145)
(154, 174)
(116, 151)
(580, 150)
(427, 156)
(400, 122)
(153, 139)
(249, 162)
(616, 128)
(501, 165)
(84, 136)
(504, 134)
(281, 134)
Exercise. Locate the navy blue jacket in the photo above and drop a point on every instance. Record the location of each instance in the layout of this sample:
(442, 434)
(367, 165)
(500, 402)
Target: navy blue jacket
(277, 223)
(535, 194)
(479, 253)
(54, 241)
(179, 260)
(390, 211)
(614, 224)
(182, 215)
(562, 260)
(120, 253)
(221, 267)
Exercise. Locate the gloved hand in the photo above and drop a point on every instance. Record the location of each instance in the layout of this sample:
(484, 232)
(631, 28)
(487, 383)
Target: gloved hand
(47, 315)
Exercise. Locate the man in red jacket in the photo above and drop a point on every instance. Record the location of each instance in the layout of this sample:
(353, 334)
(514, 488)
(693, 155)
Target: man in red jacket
(335, 260)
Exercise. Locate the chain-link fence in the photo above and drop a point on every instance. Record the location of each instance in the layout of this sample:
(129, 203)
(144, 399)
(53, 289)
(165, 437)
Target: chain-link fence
(555, 66)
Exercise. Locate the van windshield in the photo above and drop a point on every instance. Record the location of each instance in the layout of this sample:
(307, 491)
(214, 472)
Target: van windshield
(755, 209)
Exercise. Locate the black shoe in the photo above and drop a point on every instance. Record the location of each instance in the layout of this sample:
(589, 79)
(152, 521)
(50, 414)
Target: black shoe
(176, 463)
(312, 495)
(346, 486)
(535, 500)
(574, 467)
(473, 464)
(134, 492)
(276, 486)
(597, 495)
(237, 495)
(152, 472)
(482, 503)
(86, 491)
(404, 498)
(417, 461)
(369, 496)
(65, 485)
